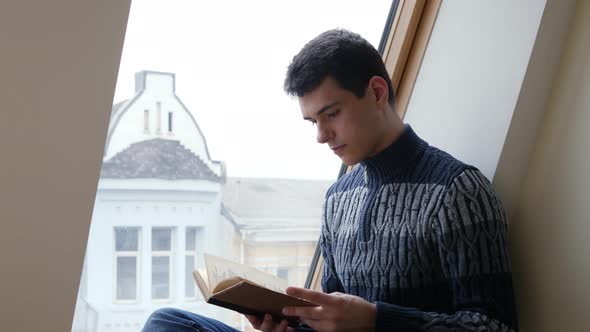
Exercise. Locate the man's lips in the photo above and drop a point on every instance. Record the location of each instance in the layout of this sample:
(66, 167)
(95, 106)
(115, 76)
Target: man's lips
(337, 148)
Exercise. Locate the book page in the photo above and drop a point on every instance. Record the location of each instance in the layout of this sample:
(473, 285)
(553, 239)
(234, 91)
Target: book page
(219, 269)
(202, 284)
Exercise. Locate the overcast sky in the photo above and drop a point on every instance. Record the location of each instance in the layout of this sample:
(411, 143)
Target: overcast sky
(230, 59)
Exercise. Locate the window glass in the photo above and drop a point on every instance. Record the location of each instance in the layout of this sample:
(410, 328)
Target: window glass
(127, 239)
(126, 263)
(146, 120)
(161, 239)
(126, 278)
(160, 277)
(193, 260)
(191, 234)
(161, 263)
(189, 283)
(283, 273)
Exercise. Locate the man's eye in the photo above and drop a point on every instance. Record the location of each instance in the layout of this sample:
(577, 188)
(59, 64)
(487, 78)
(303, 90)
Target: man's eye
(333, 114)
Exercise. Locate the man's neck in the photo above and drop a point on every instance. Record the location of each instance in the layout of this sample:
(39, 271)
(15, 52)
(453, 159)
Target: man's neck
(393, 129)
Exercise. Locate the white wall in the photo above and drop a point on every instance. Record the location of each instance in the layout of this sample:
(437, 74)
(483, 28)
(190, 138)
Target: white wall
(471, 76)
(59, 67)
(551, 228)
(532, 101)
(147, 203)
(482, 95)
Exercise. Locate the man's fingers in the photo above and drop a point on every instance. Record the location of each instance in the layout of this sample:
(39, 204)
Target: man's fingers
(282, 327)
(266, 324)
(314, 324)
(320, 298)
(305, 312)
(321, 325)
(253, 320)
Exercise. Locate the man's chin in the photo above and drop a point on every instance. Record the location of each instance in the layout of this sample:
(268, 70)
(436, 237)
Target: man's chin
(349, 161)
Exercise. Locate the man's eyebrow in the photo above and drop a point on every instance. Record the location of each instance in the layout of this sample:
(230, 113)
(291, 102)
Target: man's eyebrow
(323, 109)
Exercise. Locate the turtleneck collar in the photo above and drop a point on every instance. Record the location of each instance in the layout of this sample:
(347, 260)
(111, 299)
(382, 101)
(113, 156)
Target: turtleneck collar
(393, 158)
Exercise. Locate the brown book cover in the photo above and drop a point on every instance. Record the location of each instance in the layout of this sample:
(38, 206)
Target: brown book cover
(246, 290)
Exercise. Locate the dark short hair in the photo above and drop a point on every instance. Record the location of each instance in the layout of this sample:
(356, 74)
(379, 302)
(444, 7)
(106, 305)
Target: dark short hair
(343, 55)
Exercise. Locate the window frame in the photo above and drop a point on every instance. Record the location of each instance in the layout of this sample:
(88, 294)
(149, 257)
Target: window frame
(146, 121)
(171, 265)
(199, 236)
(138, 267)
(158, 117)
(406, 45)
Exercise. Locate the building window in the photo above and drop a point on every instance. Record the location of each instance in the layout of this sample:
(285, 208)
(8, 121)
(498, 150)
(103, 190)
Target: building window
(193, 261)
(127, 264)
(146, 121)
(169, 122)
(283, 273)
(158, 117)
(161, 263)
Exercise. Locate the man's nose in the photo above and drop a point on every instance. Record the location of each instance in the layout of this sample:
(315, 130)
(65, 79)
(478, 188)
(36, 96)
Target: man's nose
(324, 134)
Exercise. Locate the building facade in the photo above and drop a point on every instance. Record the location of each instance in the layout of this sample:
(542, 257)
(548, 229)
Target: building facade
(162, 201)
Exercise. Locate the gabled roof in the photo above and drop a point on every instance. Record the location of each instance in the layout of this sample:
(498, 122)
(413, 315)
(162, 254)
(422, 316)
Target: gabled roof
(157, 158)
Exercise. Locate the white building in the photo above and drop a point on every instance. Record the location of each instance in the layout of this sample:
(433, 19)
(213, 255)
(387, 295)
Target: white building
(157, 207)
(161, 202)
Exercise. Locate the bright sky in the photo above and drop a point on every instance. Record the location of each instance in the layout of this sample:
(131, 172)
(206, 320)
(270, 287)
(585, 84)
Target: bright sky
(230, 58)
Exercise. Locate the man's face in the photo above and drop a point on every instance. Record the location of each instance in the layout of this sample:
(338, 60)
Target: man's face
(348, 124)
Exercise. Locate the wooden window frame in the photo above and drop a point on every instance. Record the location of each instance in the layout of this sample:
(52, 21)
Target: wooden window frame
(406, 45)
(403, 44)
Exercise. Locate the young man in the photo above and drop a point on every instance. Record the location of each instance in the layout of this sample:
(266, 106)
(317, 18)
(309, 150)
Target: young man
(412, 239)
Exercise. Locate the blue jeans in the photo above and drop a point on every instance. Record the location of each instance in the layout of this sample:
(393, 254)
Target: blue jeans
(169, 319)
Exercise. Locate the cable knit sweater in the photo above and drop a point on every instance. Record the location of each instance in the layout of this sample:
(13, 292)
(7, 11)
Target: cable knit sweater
(423, 236)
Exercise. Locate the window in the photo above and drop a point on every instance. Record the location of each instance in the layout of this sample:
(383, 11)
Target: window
(127, 244)
(404, 42)
(158, 117)
(228, 181)
(283, 273)
(193, 250)
(146, 121)
(162, 263)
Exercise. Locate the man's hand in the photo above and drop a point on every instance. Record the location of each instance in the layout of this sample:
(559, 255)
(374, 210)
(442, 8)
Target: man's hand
(336, 311)
(267, 324)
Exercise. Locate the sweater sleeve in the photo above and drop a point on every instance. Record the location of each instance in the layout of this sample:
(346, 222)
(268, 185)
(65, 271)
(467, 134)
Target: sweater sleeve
(470, 237)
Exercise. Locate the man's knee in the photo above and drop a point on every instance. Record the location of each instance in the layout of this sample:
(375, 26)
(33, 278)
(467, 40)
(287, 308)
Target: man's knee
(165, 319)
(165, 312)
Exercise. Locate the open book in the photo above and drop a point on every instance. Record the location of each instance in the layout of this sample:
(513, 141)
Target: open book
(245, 289)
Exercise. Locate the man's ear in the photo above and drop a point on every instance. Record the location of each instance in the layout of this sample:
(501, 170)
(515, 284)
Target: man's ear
(379, 89)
